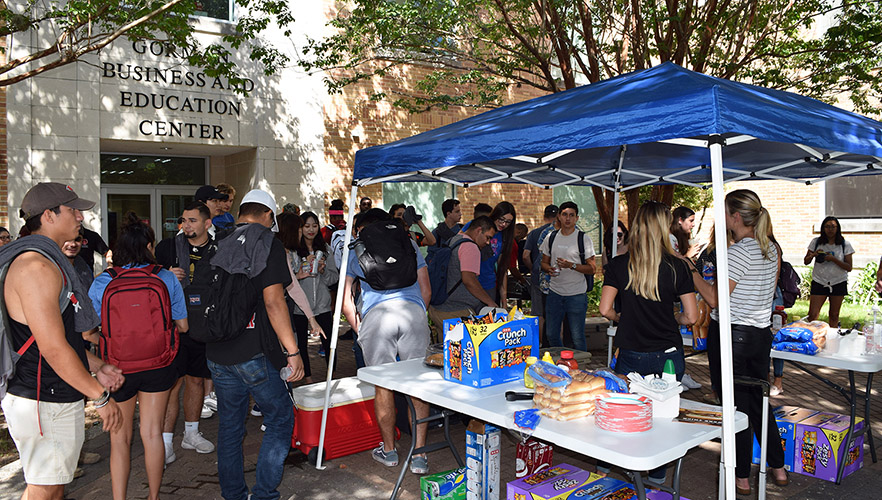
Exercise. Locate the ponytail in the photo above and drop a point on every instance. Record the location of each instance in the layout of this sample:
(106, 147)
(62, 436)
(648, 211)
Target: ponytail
(747, 204)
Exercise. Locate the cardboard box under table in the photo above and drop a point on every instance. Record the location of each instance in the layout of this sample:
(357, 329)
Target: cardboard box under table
(351, 427)
(786, 417)
(481, 355)
(554, 483)
(450, 485)
(820, 446)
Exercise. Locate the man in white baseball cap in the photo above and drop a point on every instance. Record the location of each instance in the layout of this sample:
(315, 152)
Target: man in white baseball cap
(255, 353)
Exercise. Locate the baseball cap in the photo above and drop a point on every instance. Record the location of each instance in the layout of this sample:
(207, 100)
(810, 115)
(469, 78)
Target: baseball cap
(551, 211)
(263, 198)
(206, 193)
(46, 195)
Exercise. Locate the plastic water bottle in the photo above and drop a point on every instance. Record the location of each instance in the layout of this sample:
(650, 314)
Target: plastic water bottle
(285, 372)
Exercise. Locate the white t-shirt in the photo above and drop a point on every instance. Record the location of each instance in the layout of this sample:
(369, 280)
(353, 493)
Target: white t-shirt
(828, 273)
(569, 282)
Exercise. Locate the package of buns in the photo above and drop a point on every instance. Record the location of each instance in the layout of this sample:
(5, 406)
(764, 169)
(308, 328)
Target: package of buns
(802, 332)
(572, 400)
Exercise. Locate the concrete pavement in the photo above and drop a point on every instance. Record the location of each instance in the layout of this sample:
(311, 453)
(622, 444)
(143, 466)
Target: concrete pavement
(194, 476)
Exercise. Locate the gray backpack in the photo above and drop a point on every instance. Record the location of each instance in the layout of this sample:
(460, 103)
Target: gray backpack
(8, 356)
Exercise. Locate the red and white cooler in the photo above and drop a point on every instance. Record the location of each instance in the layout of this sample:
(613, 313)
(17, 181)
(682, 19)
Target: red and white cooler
(352, 425)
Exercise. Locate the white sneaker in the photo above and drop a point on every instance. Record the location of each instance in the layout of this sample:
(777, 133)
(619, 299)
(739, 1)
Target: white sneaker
(169, 454)
(195, 441)
(689, 383)
(206, 412)
(774, 391)
(210, 401)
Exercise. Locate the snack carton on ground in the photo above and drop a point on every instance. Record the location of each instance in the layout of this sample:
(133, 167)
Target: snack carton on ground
(450, 485)
(531, 457)
(482, 461)
(787, 417)
(820, 446)
(527, 483)
(485, 354)
(557, 487)
(599, 488)
(660, 495)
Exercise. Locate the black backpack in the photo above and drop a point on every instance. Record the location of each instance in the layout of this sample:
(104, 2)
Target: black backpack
(220, 305)
(589, 278)
(438, 264)
(788, 282)
(386, 256)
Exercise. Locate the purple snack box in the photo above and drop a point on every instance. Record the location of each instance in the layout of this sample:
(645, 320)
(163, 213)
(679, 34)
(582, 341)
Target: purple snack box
(820, 446)
(551, 484)
(787, 417)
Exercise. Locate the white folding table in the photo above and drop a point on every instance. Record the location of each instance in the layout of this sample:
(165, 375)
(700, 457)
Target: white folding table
(868, 363)
(666, 442)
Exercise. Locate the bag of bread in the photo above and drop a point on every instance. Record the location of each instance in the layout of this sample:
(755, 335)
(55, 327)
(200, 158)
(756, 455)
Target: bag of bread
(802, 331)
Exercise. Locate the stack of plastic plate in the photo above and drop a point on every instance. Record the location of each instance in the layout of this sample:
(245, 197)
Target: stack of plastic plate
(623, 412)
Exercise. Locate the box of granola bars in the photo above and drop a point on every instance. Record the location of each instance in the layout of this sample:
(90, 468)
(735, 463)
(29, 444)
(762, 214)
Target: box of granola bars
(486, 351)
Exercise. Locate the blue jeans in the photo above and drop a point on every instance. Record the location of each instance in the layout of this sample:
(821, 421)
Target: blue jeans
(233, 384)
(646, 363)
(574, 307)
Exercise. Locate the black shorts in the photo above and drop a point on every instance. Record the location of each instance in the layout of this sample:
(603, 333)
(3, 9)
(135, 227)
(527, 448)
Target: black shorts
(837, 290)
(158, 380)
(191, 358)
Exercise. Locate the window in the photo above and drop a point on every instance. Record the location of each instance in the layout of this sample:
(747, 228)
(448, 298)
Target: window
(854, 197)
(217, 9)
(154, 170)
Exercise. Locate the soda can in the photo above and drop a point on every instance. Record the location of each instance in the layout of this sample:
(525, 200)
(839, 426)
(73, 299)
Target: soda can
(319, 255)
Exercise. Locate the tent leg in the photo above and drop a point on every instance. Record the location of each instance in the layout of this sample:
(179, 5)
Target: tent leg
(728, 437)
(335, 330)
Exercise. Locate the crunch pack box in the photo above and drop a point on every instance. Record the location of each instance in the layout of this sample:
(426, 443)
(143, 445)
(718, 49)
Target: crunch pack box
(786, 417)
(485, 354)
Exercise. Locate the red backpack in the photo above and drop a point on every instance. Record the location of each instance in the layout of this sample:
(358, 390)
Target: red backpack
(137, 330)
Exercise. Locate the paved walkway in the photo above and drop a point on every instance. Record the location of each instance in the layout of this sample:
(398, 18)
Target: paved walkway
(194, 476)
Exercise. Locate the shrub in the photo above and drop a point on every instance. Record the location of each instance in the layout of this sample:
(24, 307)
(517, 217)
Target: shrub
(863, 290)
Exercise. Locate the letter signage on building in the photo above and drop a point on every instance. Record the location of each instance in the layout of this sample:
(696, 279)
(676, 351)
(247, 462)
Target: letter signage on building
(175, 91)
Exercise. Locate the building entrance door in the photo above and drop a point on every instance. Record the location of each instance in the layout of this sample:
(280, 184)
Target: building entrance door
(159, 206)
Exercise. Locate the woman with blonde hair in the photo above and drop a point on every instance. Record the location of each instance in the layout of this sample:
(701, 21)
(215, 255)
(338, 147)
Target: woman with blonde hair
(753, 273)
(649, 279)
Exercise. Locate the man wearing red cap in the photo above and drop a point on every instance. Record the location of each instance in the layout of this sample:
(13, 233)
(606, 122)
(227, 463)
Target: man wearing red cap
(336, 218)
(44, 406)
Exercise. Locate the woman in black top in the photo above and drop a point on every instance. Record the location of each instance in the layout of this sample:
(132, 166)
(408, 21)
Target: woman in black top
(649, 279)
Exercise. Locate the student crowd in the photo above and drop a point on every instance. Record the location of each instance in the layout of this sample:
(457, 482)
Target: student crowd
(652, 272)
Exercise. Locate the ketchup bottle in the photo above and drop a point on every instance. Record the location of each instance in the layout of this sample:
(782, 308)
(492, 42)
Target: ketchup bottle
(566, 360)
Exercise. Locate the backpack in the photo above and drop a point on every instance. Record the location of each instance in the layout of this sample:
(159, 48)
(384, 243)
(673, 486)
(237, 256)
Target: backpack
(386, 256)
(580, 238)
(9, 357)
(788, 282)
(438, 264)
(220, 305)
(137, 330)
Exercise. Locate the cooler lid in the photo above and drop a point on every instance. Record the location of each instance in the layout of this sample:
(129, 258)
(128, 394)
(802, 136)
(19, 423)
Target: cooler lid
(343, 391)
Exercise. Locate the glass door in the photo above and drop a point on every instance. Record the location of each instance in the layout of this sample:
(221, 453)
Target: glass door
(159, 206)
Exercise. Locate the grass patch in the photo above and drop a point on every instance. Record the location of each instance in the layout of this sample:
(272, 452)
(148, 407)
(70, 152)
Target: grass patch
(848, 315)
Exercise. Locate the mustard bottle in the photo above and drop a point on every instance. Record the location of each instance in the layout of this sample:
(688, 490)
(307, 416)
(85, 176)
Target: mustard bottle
(528, 380)
(547, 357)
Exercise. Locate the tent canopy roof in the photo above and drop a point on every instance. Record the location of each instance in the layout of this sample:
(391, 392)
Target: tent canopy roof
(654, 125)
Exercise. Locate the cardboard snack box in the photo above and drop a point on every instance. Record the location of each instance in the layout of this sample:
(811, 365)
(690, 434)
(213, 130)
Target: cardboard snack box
(449, 485)
(481, 355)
(820, 446)
(787, 417)
(557, 487)
(482, 461)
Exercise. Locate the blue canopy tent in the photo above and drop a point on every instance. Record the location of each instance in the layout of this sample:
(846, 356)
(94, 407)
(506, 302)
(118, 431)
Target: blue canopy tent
(661, 125)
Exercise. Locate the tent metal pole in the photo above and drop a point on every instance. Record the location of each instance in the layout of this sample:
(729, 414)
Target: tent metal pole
(720, 233)
(614, 228)
(335, 330)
